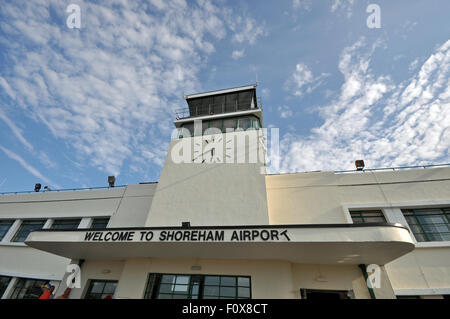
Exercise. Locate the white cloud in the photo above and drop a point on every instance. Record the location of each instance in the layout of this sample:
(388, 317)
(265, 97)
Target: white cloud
(109, 89)
(16, 131)
(245, 28)
(375, 120)
(237, 54)
(301, 4)
(303, 81)
(284, 111)
(343, 5)
(27, 166)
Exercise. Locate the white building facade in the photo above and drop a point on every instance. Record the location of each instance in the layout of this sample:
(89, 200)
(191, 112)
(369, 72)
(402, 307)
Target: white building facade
(216, 226)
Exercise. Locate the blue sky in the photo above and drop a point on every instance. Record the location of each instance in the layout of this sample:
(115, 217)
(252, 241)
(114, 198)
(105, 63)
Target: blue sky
(77, 105)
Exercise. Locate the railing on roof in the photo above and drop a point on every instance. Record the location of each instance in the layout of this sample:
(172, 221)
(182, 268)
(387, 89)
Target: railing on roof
(211, 109)
(62, 190)
(394, 168)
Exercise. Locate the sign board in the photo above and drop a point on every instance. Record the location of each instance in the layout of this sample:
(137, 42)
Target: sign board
(189, 235)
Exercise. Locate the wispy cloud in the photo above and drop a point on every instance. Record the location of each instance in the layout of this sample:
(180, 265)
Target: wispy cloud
(376, 120)
(16, 131)
(237, 54)
(301, 4)
(303, 81)
(27, 166)
(285, 111)
(343, 6)
(109, 89)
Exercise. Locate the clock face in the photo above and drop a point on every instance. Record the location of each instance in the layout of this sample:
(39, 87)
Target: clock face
(208, 150)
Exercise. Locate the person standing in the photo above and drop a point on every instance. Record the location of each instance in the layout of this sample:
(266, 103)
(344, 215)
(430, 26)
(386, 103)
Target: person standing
(48, 290)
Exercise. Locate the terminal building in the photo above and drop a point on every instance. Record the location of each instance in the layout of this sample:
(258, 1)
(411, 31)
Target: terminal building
(216, 225)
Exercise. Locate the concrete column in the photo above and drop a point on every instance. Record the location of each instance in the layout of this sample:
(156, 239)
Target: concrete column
(395, 215)
(12, 231)
(85, 223)
(133, 280)
(48, 223)
(10, 288)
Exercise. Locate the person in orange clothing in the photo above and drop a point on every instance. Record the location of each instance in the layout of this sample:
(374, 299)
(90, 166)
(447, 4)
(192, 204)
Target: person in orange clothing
(48, 290)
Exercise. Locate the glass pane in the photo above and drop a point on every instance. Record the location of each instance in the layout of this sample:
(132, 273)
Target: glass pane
(212, 280)
(416, 228)
(211, 290)
(228, 291)
(373, 213)
(243, 281)
(165, 288)
(427, 211)
(164, 296)
(110, 287)
(168, 279)
(180, 296)
(97, 287)
(66, 224)
(432, 219)
(181, 288)
(357, 220)
(429, 228)
(195, 289)
(420, 237)
(435, 237)
(244, 292)
(228, 281)
(184, 280)
(445, 236)
(100, 222)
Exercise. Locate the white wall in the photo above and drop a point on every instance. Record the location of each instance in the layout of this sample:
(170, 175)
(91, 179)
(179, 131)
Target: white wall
(210, 193)
(326, 197)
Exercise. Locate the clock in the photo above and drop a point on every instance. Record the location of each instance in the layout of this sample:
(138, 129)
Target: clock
(208, 149)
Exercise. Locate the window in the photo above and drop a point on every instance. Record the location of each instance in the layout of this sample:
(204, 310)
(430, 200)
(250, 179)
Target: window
(101, 289)
(429, 224)
(27, 227)
(66, 224)
(4, 282)
(368, 216)
(171, 286)
(28, 289)
(5, 225)
(100, 222)
(245, 123)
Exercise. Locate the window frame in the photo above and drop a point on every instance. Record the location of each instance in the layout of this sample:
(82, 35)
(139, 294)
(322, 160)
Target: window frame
(20, 284)
(154, 281)
(100, 218)
(3, 222)
(414, 213)
(19, 229)
(63, 220)
(102, 294)
(360, 214)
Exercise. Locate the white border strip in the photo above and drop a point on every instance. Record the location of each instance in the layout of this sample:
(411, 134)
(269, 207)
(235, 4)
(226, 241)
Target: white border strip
(422, 292)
